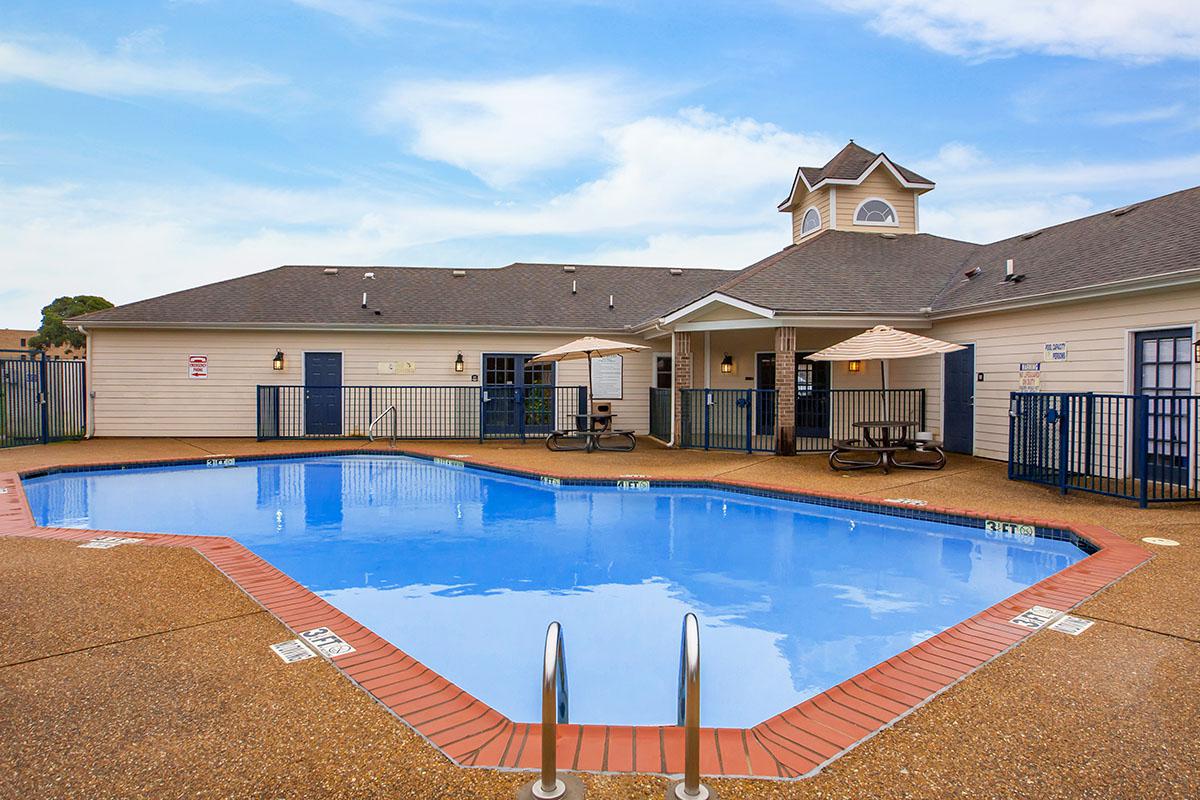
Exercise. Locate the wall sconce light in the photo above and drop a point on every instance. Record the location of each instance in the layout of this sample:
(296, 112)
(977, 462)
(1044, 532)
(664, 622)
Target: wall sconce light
(277, 361)
(727, 364)
(458, 363)
(1196, 348)
(854, 366)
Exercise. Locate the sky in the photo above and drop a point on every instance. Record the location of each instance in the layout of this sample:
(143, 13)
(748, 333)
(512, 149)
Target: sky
(147, 147)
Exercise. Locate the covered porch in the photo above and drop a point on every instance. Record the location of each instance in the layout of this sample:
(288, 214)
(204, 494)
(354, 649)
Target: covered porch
(740, 381)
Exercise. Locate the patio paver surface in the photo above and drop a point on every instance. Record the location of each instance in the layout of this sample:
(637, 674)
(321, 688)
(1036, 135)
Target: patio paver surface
(116, 686)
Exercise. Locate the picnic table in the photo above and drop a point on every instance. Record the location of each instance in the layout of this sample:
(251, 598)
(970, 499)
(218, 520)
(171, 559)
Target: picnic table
(882, 441)
(593, 432)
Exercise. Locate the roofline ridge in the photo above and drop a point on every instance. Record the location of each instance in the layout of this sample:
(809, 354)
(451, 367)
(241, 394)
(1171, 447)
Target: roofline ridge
(1093, 215)
(84, 317)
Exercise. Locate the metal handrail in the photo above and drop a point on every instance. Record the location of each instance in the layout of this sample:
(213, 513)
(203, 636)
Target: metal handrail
(371, 428)
(690, 788)
(555, 709)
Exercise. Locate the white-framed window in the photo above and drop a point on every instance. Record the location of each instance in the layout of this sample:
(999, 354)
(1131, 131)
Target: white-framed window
(810, 222)
(875, 211)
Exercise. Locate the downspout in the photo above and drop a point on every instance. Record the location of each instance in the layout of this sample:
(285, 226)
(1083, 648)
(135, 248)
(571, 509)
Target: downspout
(671, 442)
(89, 393)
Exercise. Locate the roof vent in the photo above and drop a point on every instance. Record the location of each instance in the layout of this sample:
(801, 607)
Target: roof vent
(368, 276)
(1120, 212)
(568, 268)
(888, 235)
(610, 302)
(364, 302)
(330, 270)
(459, 273)
(676, 271)
(972, 272)
(1030, 235)
(1010, 273)
(574, 287)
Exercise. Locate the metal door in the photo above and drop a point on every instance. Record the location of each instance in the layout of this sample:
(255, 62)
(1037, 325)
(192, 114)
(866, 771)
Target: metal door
(322, 394)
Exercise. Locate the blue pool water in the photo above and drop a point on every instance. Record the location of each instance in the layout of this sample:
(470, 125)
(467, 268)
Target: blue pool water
(463, 569)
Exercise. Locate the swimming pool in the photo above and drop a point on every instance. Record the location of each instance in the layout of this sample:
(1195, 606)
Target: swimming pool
(463, 569)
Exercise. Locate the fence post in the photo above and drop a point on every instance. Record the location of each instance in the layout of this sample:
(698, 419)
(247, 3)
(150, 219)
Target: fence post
(750, 399)
(1012, 431)
(44, 398)
(1064, 442)
(921, 393)
(707, 411)
(1141, 414)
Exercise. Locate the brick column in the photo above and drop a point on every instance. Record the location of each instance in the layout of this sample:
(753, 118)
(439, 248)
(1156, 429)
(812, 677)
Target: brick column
(681, 361)
(785, 391)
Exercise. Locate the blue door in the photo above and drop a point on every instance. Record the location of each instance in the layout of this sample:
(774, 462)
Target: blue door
(1163, 371)
(812, 398)
(518, 395)
(958, 402)
(323, 394)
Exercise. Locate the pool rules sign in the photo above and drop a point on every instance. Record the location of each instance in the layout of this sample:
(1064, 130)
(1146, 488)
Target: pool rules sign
(198, 367)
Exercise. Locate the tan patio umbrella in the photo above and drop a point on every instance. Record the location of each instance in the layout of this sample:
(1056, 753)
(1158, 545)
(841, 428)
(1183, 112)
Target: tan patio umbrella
(588, 347)
(883, 343)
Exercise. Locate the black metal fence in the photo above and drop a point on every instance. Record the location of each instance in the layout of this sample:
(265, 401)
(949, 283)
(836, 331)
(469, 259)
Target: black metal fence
(42, 399)
(728, 419)
(744, 419)
(418, 412)
(660, 414)
(1137, 447)
(827, 416)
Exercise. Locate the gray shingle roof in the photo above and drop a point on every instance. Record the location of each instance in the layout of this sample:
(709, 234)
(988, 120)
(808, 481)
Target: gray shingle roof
(842, 271)
(516, 296)
(850, 162)
(1154, 237)
(833, 272)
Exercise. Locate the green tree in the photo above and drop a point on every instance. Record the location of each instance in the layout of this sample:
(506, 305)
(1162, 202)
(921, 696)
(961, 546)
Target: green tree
(54, 333)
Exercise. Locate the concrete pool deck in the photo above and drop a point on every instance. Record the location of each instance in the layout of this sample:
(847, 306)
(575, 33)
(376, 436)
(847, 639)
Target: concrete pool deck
(1114, 710)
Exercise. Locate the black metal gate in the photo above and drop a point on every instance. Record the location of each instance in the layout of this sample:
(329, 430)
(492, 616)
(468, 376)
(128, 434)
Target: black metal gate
(42, 399)
(1136, 446)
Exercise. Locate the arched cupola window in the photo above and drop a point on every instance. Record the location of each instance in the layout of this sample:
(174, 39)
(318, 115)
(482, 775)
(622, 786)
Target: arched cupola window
(811, 221)
(875, 211)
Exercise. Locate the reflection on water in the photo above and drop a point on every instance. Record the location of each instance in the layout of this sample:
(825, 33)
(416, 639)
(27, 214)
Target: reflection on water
(464, 569)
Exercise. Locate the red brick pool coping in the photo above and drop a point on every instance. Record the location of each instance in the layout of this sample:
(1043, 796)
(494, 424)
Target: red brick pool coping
(795, 743)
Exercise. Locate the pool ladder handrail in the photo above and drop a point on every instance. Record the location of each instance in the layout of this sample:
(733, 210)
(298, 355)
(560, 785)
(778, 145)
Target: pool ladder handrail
(556, 708)
(690, 788)
(371, 428)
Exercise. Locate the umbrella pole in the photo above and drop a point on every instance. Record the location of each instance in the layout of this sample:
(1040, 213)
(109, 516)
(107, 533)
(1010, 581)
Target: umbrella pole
(589, 396)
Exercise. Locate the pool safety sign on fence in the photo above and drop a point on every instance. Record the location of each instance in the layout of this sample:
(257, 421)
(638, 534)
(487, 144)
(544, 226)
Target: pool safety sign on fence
(108, 542)
(292, 650)
(328, 643)
(1036, 617)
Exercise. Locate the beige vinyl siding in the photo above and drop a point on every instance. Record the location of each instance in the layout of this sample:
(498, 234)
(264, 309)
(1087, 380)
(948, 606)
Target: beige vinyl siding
(819, 199)
(142, 388)
(1098, 334)
(883, 185)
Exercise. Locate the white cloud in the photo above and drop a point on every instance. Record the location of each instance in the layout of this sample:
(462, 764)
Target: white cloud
(74, 67)
(374, 14)
(1138, 116)
(981, 220)
(1144, 31)
(504, 131)
(981, 200)
(715, 250)
(696, 169)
